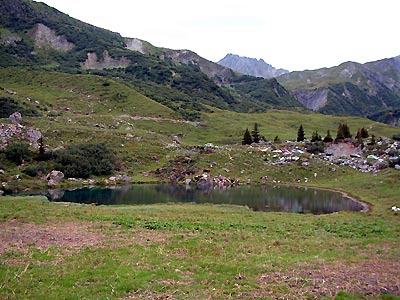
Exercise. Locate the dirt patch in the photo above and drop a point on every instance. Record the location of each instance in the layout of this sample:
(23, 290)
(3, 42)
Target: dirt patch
(69, 237)
(366, 278)
(21, 236)
(343, 149)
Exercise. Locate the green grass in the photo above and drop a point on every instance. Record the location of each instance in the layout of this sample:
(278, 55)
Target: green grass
(192, 251)
(185, 251)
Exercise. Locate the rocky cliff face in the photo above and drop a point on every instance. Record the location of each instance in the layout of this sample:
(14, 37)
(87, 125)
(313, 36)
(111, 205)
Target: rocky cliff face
(92, 61)
(349, 89)
(135, 45)
(46, 38)
(216, 72)
(250, 66)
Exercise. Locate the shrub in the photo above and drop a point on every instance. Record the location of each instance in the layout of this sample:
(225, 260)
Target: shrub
(396, 137)
(317, 147)
(35, 170)
(18, 153)
(85, 160)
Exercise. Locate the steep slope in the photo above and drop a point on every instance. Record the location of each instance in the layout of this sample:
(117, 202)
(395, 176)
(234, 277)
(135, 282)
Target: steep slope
(36, 35)
(348, 89)
(250, 66)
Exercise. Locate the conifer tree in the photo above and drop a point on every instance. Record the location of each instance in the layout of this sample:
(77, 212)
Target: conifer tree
(343, 132)
(316, 137)
(247, 140)
(255, 134)
(364, 133)
(328, 138)
(300, 134)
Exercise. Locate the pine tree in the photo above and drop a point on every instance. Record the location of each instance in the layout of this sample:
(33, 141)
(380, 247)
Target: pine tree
(346, 131)
(364, 133)
(343, 132)
(255, 134)
(247, 140)
(300, 134)
(277, 140)
(316, 137)
(328, 138)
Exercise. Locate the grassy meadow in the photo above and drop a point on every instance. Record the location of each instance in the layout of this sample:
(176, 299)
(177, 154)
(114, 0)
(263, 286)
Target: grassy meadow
(186, 251)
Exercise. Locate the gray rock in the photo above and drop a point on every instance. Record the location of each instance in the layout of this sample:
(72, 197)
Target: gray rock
(15, 118)
(33, 136)
(54, 177)
(381, 164)
(397, 167)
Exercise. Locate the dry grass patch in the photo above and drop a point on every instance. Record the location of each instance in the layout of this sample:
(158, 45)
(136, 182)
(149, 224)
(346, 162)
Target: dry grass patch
(367, 278)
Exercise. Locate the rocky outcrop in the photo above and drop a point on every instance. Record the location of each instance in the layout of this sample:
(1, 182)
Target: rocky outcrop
(312, 99)
(251, 66)
(135, 44)
(92, 61)
(46, 38)
(15, 130)
(9, 40)
(216, 72)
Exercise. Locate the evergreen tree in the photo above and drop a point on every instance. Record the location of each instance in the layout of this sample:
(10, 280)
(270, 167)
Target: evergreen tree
(364, 133)
(277, 140)
(247, 140)
(328, 138)
(255, 134)
(316, 137)
(300, 134)
(346, 131)
(343, 132)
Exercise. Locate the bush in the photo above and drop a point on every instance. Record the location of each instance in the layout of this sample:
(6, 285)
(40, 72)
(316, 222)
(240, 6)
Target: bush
(85, 160)
(315, 148)
(35, 170)
(396, 137)
(18, 153)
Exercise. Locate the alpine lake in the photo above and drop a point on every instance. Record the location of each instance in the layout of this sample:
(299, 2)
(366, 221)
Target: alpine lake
(301, 200)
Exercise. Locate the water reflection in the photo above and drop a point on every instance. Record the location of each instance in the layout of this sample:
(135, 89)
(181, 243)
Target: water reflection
(257, 198)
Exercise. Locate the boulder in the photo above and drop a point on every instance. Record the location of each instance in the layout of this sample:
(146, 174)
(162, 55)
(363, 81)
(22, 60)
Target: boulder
(33, 136)
(15, 118)
(381, 164)
(54, 177)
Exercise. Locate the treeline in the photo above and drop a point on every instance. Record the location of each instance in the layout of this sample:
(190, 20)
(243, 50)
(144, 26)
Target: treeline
(343, 133)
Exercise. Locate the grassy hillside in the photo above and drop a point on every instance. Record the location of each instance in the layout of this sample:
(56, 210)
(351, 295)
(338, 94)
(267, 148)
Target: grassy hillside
(181, 80)
(76, 109)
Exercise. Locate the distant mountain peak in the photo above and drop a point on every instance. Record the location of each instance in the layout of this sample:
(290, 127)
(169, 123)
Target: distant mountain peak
(250, 66)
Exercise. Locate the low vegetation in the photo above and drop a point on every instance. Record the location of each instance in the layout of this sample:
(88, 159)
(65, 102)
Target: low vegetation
(97, 128)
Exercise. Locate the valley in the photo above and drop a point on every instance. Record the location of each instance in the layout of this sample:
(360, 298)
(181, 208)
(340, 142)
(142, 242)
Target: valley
(82, 106)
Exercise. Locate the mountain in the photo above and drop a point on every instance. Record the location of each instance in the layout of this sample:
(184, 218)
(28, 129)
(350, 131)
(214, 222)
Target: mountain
(36, 36)
(250, 66)
(370, 90)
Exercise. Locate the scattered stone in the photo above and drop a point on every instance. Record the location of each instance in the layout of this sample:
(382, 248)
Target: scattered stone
(397, 167)
(175, 139)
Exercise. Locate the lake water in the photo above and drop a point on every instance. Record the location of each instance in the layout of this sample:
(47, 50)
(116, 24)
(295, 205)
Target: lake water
(257, 198)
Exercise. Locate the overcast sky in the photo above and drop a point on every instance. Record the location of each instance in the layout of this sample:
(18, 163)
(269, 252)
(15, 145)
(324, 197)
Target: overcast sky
(289, 34)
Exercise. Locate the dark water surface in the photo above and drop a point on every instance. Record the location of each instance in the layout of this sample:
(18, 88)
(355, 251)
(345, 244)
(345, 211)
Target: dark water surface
(257, 198)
